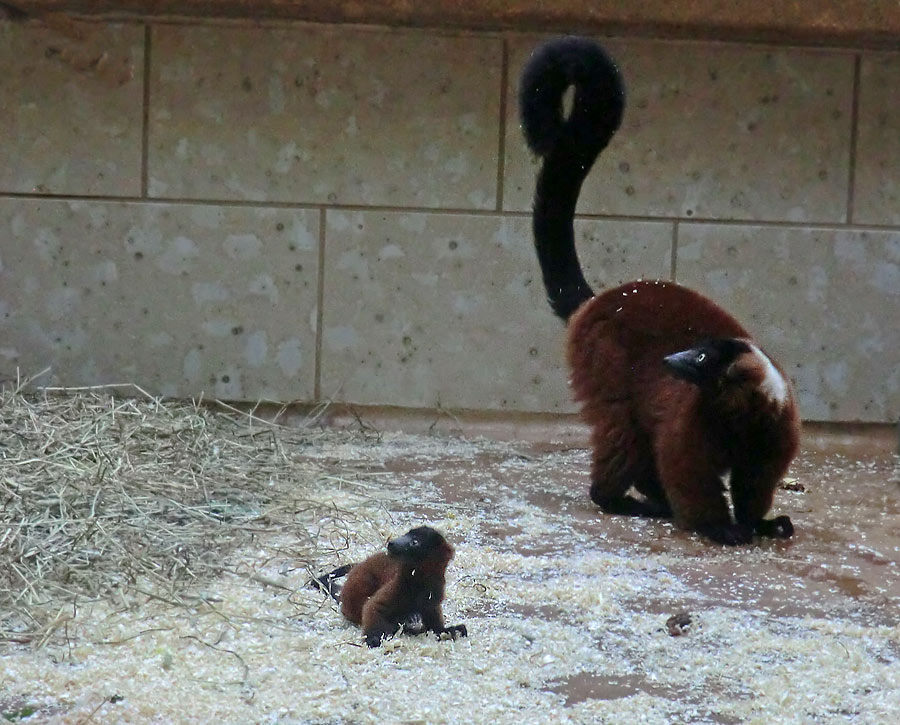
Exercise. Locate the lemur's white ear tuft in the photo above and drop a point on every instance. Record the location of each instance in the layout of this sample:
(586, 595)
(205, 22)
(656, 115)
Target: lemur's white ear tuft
(773, 384)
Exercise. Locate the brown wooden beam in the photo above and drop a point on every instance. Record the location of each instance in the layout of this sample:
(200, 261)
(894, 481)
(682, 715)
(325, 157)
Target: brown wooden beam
(848, 22)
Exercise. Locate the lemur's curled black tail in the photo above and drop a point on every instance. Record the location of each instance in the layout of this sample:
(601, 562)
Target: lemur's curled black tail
(326, 582)
(568, 146)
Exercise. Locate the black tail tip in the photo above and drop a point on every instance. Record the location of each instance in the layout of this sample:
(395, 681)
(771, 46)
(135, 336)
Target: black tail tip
(553, 67)
(326, 582)
(340, 571)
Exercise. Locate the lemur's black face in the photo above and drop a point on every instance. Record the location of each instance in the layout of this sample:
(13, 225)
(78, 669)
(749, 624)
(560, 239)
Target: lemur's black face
(707, 363)
(415, 544)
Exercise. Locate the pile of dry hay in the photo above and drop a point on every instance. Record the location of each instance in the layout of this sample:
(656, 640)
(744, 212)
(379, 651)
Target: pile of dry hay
(103, 496)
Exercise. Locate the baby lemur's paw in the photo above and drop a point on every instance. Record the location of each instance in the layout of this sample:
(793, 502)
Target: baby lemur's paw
(457, 630)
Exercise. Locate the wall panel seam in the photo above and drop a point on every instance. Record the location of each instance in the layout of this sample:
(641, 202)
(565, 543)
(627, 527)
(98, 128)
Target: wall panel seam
(320, 305)
(501, 142)
(145, 114)
(673, 271)
(854, 138)
(511, 214)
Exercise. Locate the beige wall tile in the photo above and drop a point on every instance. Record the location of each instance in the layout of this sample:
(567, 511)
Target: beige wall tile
(312, 114)
(825, 303)
(713, 131)
(449, 310)
(426, 309)
(68, 131)
(877, 192)
(179, 299)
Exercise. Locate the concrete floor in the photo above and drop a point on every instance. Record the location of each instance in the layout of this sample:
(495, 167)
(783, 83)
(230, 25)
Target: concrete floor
(843, 564)
(843, 497)
(566, 608)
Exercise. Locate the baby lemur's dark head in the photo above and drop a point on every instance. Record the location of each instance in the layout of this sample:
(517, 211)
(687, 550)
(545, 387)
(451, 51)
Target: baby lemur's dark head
(420, 544)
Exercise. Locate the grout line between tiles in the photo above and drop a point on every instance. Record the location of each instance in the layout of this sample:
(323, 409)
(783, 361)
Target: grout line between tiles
(854, 133)
(320, 304)
(674, 262)
(145, 116)
(501, 144)
(512, 214)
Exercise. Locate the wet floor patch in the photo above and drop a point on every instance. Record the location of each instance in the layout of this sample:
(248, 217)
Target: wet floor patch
(566, 608)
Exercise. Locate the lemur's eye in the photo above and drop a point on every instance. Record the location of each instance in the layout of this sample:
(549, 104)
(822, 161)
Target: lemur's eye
(414, 542)
(700, 357)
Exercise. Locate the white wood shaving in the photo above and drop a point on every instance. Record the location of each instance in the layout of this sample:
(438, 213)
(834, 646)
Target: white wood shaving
(558, 601)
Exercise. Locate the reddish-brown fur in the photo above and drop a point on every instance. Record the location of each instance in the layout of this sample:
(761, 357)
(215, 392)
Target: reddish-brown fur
(675, 391)
(400, 588)
(663, 435)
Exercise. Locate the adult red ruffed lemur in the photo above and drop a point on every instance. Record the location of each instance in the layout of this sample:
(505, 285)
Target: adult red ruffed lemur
(401, 588)
(676, 391)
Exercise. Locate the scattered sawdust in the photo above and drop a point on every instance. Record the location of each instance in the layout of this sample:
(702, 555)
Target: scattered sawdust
(566, 610)
(792, 484)
(678, 624)
(111, 498)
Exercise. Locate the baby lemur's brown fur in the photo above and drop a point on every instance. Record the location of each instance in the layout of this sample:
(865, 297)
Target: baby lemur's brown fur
(403, 587)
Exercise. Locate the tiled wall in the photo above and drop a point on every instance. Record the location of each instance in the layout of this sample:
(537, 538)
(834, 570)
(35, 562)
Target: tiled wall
(305, 212)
